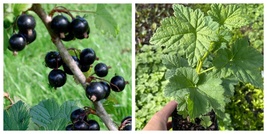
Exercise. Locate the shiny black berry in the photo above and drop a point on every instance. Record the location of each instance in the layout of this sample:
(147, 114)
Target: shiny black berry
(106, 88)
(85, 68)
(93, 125)
(57, 78)
(127, 127)
(78, 115)
(60, 25)
(87, 56)
(127, 119)
(117, 83)
(68, 37)
(53, 59)
(67, 69)
(69, 127)
(95, 91)
(29, 37)
(80, 125)
(80, 28)
(26, 23)
(17, 42)
(101, 70)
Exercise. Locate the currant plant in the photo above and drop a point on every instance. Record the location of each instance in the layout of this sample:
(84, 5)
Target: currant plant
(61, 25)
(197, 59)
(204, 59)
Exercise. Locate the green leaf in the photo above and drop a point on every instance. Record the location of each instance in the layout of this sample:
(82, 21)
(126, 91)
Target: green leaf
(206, 122)
(197, 103)
(17, 117)
(19, 8)
(104, 20)
(58, 124)
(189, 30)
(242, 60)
(174, 61)
(45, 112)
(228, 15)
(66, 109)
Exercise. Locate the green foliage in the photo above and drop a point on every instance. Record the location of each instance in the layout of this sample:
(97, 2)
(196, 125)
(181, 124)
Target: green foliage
(205, 56)
(17, 117)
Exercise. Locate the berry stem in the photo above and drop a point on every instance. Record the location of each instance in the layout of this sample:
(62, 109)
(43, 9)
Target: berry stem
(66, 57)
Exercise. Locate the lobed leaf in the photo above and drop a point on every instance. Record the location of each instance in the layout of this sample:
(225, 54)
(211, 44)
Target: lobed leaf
(17, 117)
(230, 16)
(189, 30)
(241, 60)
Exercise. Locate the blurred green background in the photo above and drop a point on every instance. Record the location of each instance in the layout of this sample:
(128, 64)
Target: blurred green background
(25, 75)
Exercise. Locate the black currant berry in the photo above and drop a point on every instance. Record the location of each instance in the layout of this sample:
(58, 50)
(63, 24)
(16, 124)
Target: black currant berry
(67, 69)
(78, 115)
(80, 125)
(68, 37)
(101, 70)
(106, 88)
(128, 118)
(53, 59)
(60, 25)
(117, 83)
(26, 23)
(17, 42)
(85, 68)
(29, 37)
(57, 78)
(80, 28)
(69, 127)
(87, 56)
(95, 91)
(93, 125)
(127, 127)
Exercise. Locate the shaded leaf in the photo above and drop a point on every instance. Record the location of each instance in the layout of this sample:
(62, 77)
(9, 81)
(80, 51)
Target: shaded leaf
(174, 61)
(105, 21)
(19, 8)
(197, 103)
(17, 117)
(58, 124)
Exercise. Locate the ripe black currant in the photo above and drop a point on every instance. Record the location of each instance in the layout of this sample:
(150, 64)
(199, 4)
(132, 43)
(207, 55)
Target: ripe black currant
(106, 88)
(60, 25)
(53, 59)
(26, 23)
(78, 115)
(80, 125)
(57, 78)
(95, 91)
(69, 127)
(101, 70)
(128, 118)
(68, 37)
(93, 125)
(127, 127)
(17, 42)
(80, 28)
(29, 37)
(117, 83)
(87, 56)
(67, 69)
(85, 68)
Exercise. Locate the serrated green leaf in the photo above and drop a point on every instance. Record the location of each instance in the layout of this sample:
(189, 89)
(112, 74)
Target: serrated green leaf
(206, 121)
(58, 124)
(17, 117)
(19, 8)
(197, 103)
(45, 112)
(188, 30)
(66, 108)
(242, 61)
(174, 61)
(104, 20)
(228, 15)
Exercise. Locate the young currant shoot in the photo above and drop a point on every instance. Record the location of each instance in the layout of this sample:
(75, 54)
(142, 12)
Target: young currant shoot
(204, 59)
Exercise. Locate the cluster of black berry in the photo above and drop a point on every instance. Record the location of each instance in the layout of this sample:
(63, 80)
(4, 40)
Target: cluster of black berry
(80, 121)
(26, 35)
(67, 30)
(126, 124)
